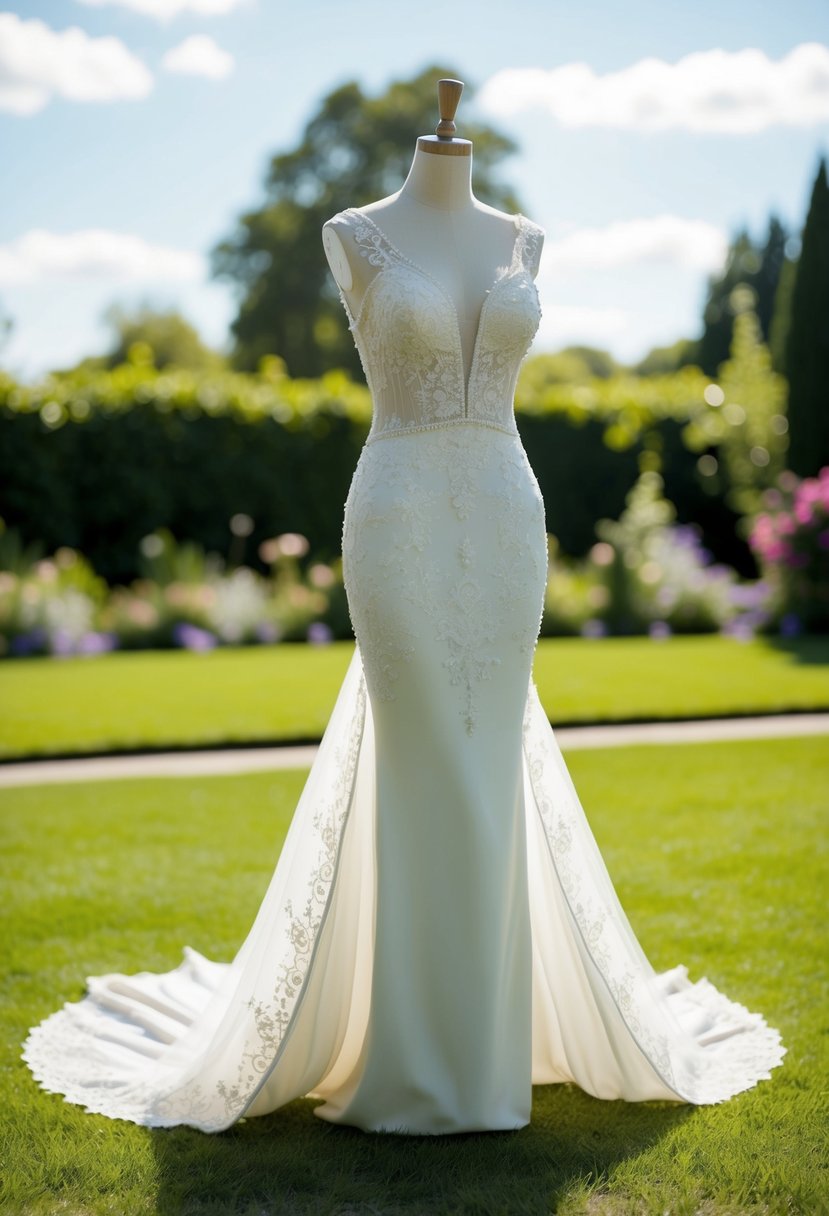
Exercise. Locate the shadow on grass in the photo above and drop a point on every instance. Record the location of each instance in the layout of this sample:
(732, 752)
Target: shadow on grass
(810, 650)
(292, 1163)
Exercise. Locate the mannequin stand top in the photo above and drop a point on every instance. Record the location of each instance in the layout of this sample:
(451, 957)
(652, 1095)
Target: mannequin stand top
(435, 220)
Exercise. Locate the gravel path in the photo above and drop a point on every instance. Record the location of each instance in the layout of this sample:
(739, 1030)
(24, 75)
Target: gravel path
(258, 759)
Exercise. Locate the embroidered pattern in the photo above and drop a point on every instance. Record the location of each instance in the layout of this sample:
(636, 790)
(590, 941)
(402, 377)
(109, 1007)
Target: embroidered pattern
(409, 501)
(408, 337)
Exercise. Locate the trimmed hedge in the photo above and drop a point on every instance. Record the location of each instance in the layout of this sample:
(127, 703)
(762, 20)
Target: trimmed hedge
(96, 460)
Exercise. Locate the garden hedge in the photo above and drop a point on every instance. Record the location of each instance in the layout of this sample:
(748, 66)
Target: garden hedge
(97, 460)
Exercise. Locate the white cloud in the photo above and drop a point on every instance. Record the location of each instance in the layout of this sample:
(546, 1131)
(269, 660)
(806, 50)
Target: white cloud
(716, 91)
(672, 239)
(564, 324)
(39, 255)
(199, 55)
(37, 63)
(166, 10)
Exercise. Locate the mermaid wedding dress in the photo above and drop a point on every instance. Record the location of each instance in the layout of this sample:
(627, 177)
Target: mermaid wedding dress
(440, 932)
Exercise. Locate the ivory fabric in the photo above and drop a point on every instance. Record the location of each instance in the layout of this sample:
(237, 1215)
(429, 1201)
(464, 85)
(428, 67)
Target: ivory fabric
(440, 932)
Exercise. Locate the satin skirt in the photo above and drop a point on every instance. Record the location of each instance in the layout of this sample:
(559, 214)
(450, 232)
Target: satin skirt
(440, 932)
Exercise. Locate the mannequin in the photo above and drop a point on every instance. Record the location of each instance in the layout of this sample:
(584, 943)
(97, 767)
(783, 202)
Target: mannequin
(440, 931)
(436, 221)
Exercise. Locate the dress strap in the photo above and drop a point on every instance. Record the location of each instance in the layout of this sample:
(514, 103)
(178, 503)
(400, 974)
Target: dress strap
(530, 241)
(370, 240)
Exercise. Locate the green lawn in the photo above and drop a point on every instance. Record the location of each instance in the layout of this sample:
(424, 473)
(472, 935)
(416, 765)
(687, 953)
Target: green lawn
(134, 701)
(718, 853)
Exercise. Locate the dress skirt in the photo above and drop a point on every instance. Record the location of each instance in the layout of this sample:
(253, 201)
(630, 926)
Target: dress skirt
(440, 931)
(445, 563)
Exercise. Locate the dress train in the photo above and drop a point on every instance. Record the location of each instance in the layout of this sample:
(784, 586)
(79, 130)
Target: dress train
(209, 1043)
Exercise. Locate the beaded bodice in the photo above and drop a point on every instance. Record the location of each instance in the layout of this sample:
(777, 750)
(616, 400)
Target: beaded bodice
(407, 334)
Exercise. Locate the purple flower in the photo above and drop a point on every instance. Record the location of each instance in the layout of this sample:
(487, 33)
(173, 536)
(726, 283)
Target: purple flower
(593, 628)
(191, 637)
(267, 631)
(97, 643)
(319, 634)
(749, 595)
(790, 625)
(28, 643)
(62, 643)
(659, 630)
(739, 629)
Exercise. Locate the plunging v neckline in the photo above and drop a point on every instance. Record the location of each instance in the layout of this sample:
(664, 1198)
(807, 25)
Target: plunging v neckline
(498, 278)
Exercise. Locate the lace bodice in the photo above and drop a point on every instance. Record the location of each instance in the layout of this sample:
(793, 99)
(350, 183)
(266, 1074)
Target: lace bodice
(407, 334)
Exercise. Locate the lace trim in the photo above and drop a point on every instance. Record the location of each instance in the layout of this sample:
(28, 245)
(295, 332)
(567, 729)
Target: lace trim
(414, 428)
(408, 336)
(736, 1048)
(402, 503)
(67, 1052)
(380, 251)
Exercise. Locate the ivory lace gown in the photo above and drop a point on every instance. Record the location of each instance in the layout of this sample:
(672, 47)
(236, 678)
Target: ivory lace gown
(440, 931)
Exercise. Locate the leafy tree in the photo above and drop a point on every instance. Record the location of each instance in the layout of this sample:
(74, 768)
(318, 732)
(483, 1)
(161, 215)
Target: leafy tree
(354, 150)
(6, 326)
(807, 342)
(598, 362)
(756, 266)
(173, 341)
(662, 360)
(753, 438)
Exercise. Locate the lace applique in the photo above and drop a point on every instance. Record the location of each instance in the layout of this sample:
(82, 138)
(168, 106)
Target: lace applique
(272, 1019)
(371, 242)
(68, 1050)
(384, 492)
(401, 599)
(407, 334)
(642, 997)
(467, 622)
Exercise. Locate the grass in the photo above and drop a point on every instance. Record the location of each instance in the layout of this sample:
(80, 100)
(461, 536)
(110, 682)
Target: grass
(137, 701)
(717, 851)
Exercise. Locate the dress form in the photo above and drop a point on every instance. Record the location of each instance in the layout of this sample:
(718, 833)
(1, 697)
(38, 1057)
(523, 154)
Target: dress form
(440, 931)
(435, 220)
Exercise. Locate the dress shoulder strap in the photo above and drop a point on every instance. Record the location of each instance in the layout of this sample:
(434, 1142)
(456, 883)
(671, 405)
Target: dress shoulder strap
(370, 240)
(530, 242)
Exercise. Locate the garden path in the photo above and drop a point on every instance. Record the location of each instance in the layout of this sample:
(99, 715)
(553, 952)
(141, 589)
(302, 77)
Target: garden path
(211, 763)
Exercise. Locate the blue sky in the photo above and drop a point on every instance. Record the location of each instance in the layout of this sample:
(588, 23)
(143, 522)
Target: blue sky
(134, 132)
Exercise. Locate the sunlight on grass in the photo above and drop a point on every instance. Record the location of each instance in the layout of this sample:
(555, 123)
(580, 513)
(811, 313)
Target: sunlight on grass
(132, 701)
(717, 853)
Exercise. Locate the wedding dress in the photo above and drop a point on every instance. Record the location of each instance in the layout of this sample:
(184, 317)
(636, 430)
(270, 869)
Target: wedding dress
(440, 932)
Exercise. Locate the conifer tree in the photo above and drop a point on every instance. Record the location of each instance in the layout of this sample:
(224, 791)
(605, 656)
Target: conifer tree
(807, 342)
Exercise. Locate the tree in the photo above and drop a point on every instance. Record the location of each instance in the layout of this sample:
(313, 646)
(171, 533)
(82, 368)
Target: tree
(749, 264)
(752, 424)
(355, 149)
(172, 339)
(782, 317)
(662, 360)
(767, 279)
(807, 341)
(598, 362)
(6, 326)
